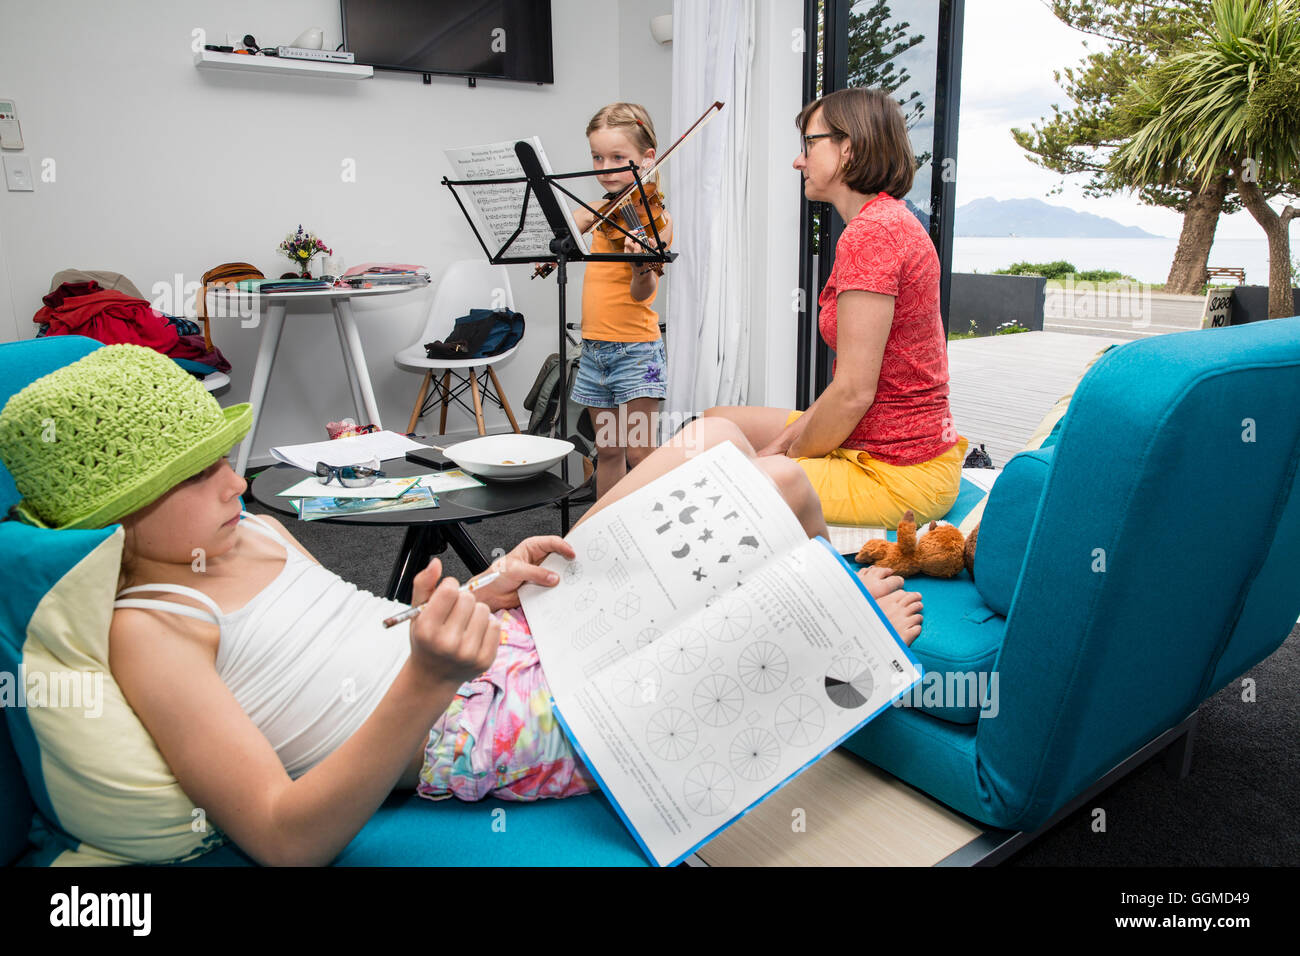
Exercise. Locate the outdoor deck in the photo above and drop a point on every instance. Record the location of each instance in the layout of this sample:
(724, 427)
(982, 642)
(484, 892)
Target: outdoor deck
(1003, 385)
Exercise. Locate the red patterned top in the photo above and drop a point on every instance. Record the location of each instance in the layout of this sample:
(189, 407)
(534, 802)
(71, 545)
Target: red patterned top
(885, 249)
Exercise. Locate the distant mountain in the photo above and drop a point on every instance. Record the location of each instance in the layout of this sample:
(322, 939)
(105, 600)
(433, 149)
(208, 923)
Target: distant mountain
(1037, 219)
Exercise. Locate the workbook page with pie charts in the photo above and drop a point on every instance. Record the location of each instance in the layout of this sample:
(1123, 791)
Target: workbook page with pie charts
(701, 650)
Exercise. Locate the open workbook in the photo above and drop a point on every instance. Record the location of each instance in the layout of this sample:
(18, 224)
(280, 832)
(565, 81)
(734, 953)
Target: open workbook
(702, 650)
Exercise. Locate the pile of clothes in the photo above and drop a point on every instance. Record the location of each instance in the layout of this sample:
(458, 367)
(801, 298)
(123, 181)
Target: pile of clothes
(113, 317)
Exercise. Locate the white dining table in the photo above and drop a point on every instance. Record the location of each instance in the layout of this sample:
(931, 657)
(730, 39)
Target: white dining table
(268, 309)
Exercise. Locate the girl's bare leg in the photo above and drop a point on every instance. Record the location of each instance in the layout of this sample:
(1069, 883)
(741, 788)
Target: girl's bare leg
(611, 460)
(701, 435)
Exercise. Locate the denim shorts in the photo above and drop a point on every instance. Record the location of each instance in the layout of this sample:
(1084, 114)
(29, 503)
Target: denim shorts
(613, 373)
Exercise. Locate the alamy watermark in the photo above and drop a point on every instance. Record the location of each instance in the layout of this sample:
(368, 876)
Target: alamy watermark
(78, 690)
(1119, 300)
(952, 689)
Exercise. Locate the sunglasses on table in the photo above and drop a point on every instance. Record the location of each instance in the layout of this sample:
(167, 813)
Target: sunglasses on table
(349, 476)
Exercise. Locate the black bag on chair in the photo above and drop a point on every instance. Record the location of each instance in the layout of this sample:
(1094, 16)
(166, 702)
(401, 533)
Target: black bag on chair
(481, 334)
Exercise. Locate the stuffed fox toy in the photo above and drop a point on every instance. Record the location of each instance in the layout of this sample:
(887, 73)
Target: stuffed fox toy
(940, 553)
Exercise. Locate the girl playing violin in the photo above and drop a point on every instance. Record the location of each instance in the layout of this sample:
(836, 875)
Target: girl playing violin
(621, 372)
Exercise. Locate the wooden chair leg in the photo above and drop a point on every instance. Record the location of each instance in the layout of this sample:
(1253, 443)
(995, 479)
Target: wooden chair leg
(446, 397)
(419, 402)
(496, 383)
(478, 402)
(587, 468)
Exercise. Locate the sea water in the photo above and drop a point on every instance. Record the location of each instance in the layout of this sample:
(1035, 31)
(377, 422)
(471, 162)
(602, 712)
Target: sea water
(1146, 260)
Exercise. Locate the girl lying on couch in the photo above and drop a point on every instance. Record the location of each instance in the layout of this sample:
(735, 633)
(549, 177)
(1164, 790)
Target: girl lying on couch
(269, 684)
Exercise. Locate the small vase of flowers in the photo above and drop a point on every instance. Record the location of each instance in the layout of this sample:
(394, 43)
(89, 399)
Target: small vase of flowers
(300, 247)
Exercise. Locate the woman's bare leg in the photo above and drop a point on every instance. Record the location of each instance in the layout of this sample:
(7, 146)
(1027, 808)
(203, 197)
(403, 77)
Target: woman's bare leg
(701, 435)
(761, 426)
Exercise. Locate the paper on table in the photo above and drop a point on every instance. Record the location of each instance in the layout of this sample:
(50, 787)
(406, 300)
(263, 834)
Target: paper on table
(444, 481)
(495, 208)
(346, 451)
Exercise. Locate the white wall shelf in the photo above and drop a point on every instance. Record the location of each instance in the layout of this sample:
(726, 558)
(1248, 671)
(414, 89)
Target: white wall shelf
(211, 60)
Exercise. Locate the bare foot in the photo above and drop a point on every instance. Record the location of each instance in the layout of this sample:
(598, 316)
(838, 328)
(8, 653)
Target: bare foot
(880, 581)
(903, 610)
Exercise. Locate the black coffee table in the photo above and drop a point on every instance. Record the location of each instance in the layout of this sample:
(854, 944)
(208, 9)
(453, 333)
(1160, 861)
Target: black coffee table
(428, 530)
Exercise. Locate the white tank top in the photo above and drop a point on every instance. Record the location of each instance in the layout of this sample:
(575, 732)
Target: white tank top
(308, 658)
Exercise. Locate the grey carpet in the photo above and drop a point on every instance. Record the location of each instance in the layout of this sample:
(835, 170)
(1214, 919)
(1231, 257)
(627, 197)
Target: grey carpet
(1239, 806)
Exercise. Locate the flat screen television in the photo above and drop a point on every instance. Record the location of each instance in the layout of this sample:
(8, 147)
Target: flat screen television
(495, 39)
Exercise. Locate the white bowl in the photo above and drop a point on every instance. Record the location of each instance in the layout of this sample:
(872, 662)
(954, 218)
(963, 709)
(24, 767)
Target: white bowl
(508, 457)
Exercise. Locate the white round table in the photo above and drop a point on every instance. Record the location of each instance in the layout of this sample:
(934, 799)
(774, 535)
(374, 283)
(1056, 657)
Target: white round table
(249, 308)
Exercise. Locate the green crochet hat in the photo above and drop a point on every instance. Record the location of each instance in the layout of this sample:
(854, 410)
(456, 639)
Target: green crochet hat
(98, 439)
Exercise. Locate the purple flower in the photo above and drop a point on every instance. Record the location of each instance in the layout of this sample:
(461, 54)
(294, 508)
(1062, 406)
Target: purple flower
(654, 374)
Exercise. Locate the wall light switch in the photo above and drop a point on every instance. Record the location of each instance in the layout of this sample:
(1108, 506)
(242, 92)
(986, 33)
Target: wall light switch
(18, 174)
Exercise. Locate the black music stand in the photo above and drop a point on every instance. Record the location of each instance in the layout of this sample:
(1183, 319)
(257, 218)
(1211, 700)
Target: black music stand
(564, 248)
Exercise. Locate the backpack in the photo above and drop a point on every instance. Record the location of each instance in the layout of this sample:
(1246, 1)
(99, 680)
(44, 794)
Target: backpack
(542, 403)
(481, 334)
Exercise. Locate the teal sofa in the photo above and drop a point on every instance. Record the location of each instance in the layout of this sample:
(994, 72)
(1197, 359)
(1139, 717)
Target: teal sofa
(1141, 560)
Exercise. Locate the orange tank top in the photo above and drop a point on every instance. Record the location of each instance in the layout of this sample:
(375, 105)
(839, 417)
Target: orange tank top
(609, 313)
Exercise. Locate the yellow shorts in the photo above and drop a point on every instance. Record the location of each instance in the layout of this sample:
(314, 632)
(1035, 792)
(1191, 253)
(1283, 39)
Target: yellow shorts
(855, 488)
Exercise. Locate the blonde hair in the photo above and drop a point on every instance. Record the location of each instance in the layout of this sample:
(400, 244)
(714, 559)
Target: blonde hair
(630, 119)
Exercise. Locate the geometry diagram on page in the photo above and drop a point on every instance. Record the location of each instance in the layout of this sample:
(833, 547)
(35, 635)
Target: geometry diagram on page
(718, 700)
(626, 605)
(708, 789)
(586, 599)
(647, 636)
(591, 632)
(755, 754)
(748, 545)
(763, 667)
(671, 733)
(682, 651)
(618, 576)
(637, 684)
(727, 620)
(600, 662)
(799, 720)
(598, 550)
(848, 683)
(573, 570)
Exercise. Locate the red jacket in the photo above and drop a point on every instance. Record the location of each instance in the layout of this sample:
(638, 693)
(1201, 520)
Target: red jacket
(109, 317)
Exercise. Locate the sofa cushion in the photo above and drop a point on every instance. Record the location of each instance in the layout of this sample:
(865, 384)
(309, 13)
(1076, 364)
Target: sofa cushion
(957, 649)
(1008, 520)
(98, 780)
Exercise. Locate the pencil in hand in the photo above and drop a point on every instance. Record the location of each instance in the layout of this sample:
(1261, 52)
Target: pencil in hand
(473, 584)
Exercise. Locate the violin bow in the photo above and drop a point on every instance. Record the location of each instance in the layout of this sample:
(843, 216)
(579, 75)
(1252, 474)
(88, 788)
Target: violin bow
(660, 160)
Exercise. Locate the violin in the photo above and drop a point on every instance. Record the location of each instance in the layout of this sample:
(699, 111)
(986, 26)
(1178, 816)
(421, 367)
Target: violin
(627, 210)
(637, 216)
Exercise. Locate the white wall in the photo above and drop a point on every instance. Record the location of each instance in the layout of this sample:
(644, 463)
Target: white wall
(164, 169)
(8, 324)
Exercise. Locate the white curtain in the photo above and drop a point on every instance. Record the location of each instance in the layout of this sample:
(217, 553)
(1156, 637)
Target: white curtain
(709, 289)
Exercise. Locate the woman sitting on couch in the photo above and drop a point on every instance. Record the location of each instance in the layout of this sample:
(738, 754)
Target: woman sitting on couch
(880, 439)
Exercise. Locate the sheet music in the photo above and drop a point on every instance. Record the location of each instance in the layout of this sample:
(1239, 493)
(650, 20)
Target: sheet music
(495, 208)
